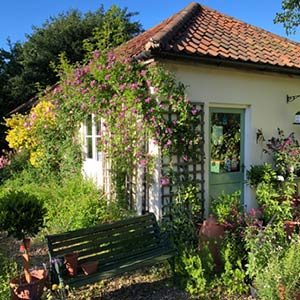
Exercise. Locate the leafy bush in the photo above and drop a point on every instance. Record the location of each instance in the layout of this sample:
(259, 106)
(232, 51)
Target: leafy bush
(223, 206)
(21, 214)
(281, 275)
(71, 203)
(8, 269)
(260, 173)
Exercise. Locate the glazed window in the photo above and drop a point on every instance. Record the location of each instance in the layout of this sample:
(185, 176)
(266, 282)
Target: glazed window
(92, 129)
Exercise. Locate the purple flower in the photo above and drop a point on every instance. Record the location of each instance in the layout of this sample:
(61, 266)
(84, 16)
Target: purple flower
(194, 111)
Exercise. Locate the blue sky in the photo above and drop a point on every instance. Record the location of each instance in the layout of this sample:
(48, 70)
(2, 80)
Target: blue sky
(18, 16)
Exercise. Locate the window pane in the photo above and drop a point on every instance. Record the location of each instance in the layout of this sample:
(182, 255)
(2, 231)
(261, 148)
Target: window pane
(89, 145)
(225, 142)
(89, 125)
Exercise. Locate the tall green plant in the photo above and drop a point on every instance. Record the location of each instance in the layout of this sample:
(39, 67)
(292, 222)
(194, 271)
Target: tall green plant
(280, 278)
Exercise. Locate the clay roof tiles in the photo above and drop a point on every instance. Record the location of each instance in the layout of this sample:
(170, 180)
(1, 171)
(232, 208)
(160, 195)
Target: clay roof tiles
(199, 31)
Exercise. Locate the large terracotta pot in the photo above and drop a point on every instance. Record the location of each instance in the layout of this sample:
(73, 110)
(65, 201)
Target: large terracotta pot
(20, 289)
(211, 234)
(71, 263)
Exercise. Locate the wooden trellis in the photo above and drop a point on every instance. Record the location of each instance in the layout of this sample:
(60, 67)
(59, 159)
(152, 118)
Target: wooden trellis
(189, 172)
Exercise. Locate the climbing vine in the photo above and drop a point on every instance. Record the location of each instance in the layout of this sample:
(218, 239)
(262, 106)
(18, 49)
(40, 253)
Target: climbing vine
(130, 99)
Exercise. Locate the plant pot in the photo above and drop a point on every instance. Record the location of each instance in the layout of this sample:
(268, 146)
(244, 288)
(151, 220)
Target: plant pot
(20, 289)
(90, 267)
(289, 227)
(71, 260)
(211, 234)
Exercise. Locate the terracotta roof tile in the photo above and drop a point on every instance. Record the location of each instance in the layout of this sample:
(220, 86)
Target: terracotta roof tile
(200, 31)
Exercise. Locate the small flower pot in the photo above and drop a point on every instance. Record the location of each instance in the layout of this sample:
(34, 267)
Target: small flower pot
(20, 289)
(71, 263)
(90, 267)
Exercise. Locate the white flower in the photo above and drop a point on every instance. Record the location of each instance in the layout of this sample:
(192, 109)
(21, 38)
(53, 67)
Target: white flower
(280, 178)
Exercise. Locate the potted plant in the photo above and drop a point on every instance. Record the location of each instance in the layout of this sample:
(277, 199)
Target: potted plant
(22, 216)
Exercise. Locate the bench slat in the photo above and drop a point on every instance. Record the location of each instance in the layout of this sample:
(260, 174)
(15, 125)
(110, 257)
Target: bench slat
(100, 228)
(95, 242)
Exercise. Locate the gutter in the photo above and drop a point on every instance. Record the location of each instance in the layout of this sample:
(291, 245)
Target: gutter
(217, 62)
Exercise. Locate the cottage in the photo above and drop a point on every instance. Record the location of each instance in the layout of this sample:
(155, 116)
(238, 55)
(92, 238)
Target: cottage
(242, 77)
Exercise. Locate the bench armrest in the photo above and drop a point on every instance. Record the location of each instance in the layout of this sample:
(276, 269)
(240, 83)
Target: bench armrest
(56, 270)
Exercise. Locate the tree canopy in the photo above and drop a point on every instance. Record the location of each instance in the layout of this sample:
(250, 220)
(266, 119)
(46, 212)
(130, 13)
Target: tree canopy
(289, 16)
(29, 67)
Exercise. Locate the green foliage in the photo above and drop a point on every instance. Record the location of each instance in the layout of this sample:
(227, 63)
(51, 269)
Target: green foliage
(261, 243)
(233, 277)
(260, 173)
(21, 214)
(71, 203)
(275, 200)
(289, 16)
(281, 274)
(8, 269)
(28, 68)
(222, 207)
(194, 277)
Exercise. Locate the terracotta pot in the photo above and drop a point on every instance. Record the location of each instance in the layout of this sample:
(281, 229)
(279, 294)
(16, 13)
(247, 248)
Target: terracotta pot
(212, 229)
(90, 267)
(71, 263)
(211, 234)
(20, 289)
(289, 227)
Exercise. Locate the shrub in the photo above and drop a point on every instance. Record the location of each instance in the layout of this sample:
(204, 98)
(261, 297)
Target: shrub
(260, 173)
(281, 275)
(71, 203)
(8, 269)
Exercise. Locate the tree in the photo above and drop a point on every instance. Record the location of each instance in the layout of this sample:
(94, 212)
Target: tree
(29, 67)
(290, 15)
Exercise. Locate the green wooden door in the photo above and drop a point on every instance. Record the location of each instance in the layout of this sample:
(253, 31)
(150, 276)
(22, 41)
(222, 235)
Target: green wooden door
(226, 151)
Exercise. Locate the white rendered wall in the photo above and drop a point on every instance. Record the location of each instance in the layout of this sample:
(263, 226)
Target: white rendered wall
(262, 95)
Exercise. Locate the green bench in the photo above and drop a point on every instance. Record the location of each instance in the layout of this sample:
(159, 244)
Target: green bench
(118, 247)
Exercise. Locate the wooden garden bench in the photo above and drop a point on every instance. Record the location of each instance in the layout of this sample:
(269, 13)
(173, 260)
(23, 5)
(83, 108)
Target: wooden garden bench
(119, 247)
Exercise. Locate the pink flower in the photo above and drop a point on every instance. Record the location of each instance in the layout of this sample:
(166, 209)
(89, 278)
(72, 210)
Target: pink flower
(92, 99)
(185, 158)
(107, 77)
(143, 163)
(164, 181)
(96, 54)
(143, 72)
(92, 83)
